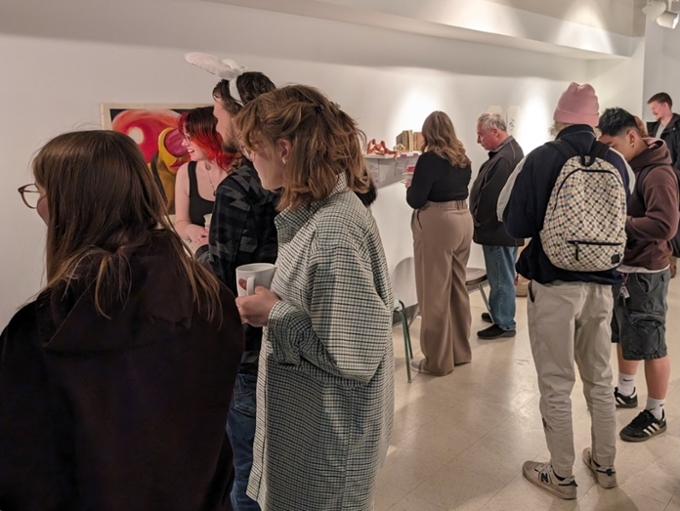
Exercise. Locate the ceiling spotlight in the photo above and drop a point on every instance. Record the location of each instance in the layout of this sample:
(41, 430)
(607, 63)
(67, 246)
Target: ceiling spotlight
(660, 10)
(668, 19)
(654, 8)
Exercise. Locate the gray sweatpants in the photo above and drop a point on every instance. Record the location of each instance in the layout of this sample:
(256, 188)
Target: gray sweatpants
(571, 322)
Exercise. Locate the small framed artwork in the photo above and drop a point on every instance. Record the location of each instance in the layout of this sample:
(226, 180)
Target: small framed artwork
(514, 115)
(154, 127)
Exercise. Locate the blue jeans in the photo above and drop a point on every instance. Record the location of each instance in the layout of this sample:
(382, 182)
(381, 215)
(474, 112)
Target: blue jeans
(500, 269)
(241, 431)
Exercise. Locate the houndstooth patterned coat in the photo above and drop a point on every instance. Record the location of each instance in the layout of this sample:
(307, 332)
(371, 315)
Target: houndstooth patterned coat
(325, 395)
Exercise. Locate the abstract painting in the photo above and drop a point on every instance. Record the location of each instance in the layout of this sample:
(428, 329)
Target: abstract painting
(154, 129)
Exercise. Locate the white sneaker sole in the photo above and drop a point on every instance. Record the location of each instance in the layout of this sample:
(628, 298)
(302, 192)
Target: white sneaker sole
(607, 485)
(557, 491)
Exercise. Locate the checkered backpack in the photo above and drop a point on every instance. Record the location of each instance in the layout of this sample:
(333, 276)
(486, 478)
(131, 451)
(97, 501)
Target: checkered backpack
(584, 225)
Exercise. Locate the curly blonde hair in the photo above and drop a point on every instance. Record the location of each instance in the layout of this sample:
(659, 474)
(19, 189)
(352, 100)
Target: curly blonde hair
(326, 142)
(439, 136)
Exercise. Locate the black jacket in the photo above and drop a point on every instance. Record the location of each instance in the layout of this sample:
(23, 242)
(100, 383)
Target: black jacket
(120, 413)
(493, 175)
(526, 208)
(670, 135)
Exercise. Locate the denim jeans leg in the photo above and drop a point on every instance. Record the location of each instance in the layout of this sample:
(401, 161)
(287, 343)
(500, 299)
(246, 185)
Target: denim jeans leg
(500, 270)
(241, 432)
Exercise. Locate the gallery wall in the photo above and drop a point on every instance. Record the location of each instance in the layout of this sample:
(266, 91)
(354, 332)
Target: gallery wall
(662, 63)
(389, 81)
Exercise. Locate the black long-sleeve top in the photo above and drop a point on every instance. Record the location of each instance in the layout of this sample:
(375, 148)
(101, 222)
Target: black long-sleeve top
(436, 180)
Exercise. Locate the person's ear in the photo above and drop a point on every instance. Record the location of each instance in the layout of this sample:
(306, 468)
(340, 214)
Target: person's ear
(42, 209)
(284, 149)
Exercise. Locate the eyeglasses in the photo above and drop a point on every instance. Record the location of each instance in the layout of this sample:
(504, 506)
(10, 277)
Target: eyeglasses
(30, 195)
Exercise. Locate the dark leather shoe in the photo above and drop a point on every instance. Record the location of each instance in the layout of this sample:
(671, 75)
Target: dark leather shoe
(487, 317)
(495, 332)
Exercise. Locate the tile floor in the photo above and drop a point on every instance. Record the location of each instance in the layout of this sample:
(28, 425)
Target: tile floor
(459, 441)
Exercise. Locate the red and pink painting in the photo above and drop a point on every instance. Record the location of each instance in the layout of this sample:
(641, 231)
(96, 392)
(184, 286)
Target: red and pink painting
(154, 129)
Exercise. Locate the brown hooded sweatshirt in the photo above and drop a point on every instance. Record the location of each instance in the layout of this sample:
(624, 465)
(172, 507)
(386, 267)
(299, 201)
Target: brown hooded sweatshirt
(653, 218)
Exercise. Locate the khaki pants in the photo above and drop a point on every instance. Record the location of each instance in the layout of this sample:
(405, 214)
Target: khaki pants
(571, 322)
(442, 234)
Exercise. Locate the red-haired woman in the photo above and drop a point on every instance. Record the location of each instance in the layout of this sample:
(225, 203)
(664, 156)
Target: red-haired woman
(197, 180)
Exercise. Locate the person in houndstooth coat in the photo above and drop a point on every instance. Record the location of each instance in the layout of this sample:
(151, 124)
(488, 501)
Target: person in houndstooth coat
(326, 382)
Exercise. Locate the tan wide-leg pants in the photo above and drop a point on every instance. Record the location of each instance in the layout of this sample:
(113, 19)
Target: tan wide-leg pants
(571, 322)
(442, 234)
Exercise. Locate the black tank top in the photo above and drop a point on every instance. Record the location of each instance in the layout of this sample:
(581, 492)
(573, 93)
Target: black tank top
(198, 206)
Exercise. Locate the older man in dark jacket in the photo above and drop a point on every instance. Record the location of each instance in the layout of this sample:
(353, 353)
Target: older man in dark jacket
(500, 249)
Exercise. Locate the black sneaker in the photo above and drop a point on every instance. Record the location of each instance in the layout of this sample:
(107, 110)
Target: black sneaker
(625, 401)
(495, 332)
(643, 427)
(486, 317)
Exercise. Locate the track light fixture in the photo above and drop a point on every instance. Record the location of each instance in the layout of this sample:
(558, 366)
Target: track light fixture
(660, 10)
(668, 19)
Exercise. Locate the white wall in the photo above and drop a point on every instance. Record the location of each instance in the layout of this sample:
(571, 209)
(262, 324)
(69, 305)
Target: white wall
(662, 64)
(389, 81)
(670, 50)
(619, 82)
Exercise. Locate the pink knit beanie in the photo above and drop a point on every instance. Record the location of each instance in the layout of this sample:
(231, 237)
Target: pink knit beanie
(578, 105)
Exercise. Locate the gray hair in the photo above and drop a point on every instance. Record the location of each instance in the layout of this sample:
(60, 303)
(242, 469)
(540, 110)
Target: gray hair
(489, 121)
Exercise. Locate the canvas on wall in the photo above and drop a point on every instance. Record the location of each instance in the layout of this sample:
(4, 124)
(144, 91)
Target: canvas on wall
(154, 129)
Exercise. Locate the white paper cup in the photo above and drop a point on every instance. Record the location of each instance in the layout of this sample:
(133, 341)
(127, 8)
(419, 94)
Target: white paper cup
(257, 274)
(207, 219)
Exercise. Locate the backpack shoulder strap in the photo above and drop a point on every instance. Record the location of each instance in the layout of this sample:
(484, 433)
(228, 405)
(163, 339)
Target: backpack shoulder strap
(599, 150)
(564, 148)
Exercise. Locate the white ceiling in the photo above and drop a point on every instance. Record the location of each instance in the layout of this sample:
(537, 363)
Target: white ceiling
(588, 19)
(152, 22)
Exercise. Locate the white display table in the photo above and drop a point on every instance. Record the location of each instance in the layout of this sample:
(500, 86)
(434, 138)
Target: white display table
(387, 170)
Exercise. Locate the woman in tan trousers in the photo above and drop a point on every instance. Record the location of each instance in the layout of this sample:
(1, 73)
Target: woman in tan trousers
(442, 233)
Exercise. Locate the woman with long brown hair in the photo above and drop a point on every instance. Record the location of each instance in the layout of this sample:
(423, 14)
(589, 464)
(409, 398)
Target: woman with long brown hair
(442, 234)
(325, 389)
(115, 381)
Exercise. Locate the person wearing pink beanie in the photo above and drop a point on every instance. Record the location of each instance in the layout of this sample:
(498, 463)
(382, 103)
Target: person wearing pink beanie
(569, 312)
(578, 105)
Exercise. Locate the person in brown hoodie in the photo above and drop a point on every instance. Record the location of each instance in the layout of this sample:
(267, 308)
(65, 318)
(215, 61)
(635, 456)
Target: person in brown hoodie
(639, 323)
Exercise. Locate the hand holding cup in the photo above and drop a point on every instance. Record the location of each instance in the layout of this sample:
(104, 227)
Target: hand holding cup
(255, 301)
(255, 309)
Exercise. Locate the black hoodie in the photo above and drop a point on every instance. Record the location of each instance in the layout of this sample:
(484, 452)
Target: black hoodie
(120, 413)
(670, 135)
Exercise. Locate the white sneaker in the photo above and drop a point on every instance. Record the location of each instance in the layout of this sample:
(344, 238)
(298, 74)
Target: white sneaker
(543, 475)
(605, 476)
